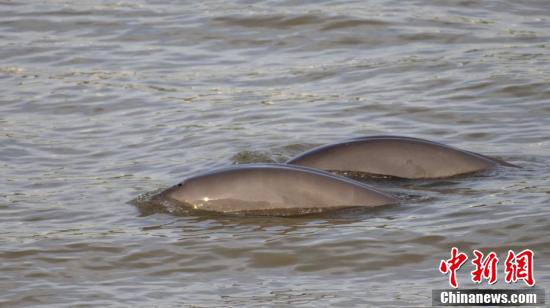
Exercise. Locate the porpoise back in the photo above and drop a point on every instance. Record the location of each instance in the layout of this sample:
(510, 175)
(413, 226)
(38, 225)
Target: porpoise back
(396, 156)
(272, 189)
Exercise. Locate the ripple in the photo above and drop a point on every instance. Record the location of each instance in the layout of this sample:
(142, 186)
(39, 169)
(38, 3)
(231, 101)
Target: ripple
(103, 102)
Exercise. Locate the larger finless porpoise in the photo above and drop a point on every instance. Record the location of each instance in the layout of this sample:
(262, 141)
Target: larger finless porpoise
(271, 189)
(396, 156)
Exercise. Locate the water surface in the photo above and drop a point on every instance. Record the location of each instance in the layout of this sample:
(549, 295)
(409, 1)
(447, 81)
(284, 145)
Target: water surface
(103, 101)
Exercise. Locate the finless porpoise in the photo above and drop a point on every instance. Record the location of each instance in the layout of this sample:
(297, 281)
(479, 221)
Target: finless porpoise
(271, 189)
(396, 156)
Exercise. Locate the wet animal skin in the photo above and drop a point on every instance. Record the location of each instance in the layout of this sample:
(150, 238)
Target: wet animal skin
(269, 189)
(396, 156)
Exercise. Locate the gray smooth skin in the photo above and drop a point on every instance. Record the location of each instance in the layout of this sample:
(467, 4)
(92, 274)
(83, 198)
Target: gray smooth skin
(272, 189)
(396, 156)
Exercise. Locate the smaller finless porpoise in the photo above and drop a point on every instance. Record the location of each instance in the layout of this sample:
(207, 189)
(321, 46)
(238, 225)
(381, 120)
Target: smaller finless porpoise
(271, 189)
(396, 156)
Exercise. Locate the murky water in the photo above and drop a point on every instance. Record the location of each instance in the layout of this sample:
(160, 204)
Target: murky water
(103, 101)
